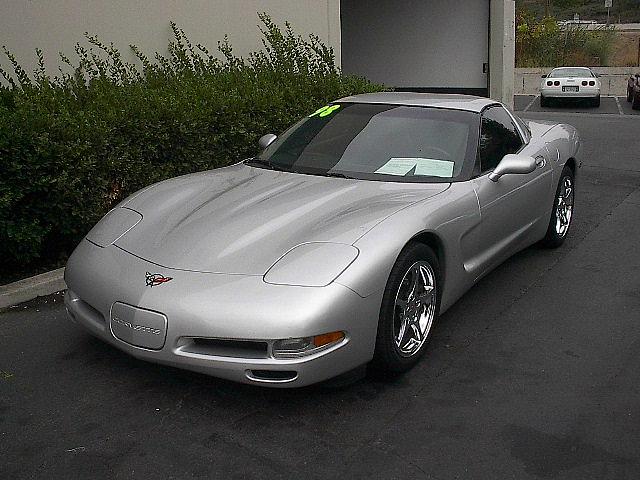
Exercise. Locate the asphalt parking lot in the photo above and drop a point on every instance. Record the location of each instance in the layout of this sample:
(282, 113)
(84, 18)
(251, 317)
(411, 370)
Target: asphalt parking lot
(608, 106)
(534, 373)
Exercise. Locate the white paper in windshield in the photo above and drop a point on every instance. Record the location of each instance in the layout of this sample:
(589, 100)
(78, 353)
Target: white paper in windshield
(434, 168)
(428, 167)
(397, 166)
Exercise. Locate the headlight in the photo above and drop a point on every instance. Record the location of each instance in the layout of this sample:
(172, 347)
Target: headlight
(314, 264)
(300, 347)
(113, 225)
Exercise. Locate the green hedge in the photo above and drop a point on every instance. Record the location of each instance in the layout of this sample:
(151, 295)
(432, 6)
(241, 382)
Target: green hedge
(72, 146)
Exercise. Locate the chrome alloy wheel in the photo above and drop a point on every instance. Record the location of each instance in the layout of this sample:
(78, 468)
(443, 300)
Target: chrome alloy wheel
(564, 208)
(415, 308)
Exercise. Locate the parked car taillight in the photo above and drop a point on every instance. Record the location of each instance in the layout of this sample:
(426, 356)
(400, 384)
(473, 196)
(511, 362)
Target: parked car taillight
(592, 83)
(549, 83)
(556, 83)
(584, 83)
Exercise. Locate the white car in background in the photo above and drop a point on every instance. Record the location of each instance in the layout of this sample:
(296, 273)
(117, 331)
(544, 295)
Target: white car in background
(570, 82)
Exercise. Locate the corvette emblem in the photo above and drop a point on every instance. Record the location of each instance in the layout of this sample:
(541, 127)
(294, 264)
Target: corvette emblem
(136, 328)
(154, 279)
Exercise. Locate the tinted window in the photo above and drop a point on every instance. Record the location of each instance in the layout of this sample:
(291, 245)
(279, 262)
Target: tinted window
(378, 142)
(570, 72)
(498, 137)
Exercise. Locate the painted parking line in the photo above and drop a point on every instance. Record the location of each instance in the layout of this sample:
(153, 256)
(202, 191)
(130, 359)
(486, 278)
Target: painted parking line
(531, 103)
(521, 101)
(610, 105)
(556, 113)
(619, 106)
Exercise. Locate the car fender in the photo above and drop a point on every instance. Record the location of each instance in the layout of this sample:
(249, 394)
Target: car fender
(452, 216)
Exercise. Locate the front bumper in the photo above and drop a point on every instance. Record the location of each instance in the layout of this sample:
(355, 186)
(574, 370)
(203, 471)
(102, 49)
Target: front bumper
(583, 92)
(222, 310)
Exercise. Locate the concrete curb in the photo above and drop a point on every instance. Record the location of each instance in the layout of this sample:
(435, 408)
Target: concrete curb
(30, 288)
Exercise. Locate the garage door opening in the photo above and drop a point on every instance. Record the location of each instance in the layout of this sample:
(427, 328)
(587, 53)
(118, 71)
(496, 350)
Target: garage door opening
(413, 45)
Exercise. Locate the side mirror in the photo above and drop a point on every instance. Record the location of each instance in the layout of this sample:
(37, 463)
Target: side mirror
(517, 164)
(266, 140)
(544, 76)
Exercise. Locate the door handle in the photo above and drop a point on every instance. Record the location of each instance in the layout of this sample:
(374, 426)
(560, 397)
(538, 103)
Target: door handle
(541, 162)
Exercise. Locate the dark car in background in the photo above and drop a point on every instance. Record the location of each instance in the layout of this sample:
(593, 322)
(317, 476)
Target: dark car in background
(633, 91)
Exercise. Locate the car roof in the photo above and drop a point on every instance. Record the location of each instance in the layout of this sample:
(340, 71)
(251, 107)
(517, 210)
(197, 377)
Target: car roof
(571, 68)
(435, 100)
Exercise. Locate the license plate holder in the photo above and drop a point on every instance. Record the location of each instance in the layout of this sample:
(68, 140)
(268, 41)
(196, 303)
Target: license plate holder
(571, 88)
(138, 326)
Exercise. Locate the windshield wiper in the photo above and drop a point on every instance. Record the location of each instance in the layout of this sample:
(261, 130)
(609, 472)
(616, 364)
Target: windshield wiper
(267, 164)
(336, 175)
(280, 168)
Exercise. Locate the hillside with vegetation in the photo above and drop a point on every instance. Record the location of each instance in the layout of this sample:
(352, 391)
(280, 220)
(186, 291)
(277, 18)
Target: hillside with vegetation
(622, 11)
(542, 40)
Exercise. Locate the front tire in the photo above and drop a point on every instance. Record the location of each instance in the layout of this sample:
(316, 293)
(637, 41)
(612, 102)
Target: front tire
(410, 307)
(562, 212)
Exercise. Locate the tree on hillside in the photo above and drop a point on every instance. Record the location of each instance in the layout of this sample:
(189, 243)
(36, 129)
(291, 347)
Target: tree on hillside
(629, 4)
(549, 4)
(626, 11)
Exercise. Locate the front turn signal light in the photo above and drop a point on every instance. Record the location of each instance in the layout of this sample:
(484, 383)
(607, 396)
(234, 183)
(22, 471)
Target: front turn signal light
(327, 338)
(301, 347)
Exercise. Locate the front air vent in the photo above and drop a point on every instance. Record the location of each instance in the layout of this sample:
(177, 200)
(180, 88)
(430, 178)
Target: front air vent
(273, 376)
(226, 348)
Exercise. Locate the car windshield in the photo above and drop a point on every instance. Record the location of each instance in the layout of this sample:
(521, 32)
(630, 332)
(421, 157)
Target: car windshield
(378, 142)
(570, 72)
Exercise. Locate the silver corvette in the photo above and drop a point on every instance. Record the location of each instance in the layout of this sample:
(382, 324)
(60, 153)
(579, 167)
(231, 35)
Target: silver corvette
(339, 245)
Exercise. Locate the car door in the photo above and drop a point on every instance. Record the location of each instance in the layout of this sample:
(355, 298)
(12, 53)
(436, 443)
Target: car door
(511, 207)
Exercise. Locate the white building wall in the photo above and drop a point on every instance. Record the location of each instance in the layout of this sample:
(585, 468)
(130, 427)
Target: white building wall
(56, 25)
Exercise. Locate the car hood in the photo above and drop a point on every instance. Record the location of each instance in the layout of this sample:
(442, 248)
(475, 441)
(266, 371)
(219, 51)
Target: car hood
(241, 219)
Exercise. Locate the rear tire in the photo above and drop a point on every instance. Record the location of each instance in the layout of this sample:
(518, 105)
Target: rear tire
(596, 102)
(544, 102)
(635, 103)
(562, 212)
(406, 322)
(629, 95)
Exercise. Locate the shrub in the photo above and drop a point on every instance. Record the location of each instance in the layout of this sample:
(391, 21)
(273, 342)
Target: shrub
(543, 43)
(72, 146)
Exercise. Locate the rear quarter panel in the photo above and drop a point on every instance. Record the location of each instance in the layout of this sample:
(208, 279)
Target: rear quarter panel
(562, 143)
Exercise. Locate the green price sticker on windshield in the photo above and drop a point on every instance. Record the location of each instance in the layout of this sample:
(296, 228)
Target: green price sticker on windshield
(324, 111)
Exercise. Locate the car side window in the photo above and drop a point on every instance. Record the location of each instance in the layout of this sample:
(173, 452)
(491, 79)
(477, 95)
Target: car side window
(498, 137)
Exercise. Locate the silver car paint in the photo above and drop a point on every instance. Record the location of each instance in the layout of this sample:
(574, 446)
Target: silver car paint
(241, 219)
(479, 223)
(217, 233)
(220, 306)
